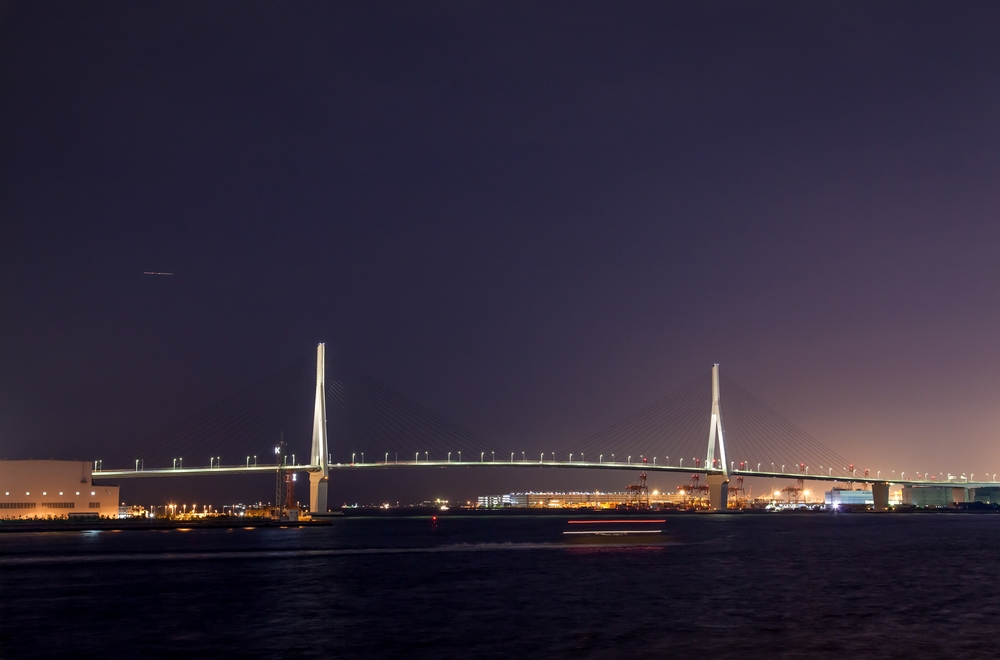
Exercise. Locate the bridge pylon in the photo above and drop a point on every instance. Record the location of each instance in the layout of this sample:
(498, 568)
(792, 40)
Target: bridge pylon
(718, 482)
(319, 457)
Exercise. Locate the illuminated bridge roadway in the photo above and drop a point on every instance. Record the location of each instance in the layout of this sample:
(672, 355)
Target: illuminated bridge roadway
(717, 477)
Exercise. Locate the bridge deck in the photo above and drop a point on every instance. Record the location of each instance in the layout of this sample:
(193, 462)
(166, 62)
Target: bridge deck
(575, 465)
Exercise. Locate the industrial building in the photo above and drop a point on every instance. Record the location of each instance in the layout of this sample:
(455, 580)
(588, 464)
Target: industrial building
(935, 496)
(594, 500)
(53, 489)
(846, 497)
(987, 494)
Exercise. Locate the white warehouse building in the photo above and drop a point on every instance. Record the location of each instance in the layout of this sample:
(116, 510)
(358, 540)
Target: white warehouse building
(53, 489)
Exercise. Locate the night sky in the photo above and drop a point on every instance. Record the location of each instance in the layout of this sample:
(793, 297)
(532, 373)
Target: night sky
(532, 218)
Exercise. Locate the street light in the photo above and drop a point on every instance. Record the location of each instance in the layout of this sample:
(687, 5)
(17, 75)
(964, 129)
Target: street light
(449, 457)
(571, 458)
(353, 454)
(600, 459)
(682, 463)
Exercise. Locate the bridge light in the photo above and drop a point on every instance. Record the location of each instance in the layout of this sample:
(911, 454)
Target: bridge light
(571, 458)
(600, 459)
(449, 457)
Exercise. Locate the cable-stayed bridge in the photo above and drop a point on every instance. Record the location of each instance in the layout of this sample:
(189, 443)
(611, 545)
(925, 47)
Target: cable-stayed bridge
(379, 428)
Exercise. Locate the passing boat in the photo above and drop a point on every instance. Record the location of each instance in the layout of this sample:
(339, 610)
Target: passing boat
(622, 532)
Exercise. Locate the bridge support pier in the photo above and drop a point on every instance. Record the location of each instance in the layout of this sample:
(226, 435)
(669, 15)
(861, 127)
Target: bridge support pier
(718, 491)
(318, 480)
(880, 494)
(318, 483)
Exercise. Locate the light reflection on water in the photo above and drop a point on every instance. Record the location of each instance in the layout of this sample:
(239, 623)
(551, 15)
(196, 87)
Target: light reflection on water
(776, 586)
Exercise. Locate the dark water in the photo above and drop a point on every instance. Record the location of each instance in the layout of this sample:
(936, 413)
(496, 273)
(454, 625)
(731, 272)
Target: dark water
(768, 586)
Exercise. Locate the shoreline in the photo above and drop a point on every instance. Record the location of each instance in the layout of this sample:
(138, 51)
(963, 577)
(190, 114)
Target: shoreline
(120, 525)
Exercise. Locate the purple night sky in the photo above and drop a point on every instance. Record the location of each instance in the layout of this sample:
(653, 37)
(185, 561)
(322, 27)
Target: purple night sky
(531, 218)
